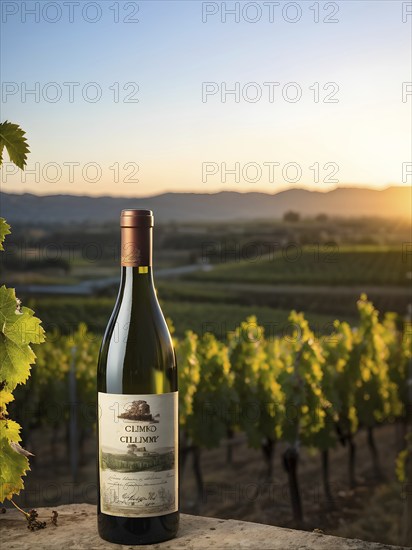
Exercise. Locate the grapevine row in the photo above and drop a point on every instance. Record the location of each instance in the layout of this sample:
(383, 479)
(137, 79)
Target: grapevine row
(299, 389)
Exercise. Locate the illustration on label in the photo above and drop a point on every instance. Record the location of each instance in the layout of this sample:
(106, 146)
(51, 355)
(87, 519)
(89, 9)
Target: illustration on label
(138, 454)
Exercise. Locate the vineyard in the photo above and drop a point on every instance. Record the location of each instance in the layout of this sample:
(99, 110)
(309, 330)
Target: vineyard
(296, 388)
(62, 314)
(317, 265)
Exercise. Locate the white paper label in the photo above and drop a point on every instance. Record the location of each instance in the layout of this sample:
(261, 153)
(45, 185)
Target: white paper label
(138, 454)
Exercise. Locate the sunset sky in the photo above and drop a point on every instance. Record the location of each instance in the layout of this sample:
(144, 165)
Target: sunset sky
(181, 141)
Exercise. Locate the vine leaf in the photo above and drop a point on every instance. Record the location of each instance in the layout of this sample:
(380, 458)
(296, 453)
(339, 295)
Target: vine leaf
(4, 230)
(12, 137)
(18, 329)
(5, 398)
(14, 465)
(15, 361)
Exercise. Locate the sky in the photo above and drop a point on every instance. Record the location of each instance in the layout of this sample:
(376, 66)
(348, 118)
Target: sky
(139, 98)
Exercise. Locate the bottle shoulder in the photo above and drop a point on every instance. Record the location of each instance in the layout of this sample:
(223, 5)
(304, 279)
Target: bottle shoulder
(137, 354)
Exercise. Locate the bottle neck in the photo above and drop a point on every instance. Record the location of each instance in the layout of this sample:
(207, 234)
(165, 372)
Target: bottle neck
(137, 280)
(137, 248)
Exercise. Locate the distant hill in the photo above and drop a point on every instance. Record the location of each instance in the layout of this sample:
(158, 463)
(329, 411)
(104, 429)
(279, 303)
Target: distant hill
(227, 205)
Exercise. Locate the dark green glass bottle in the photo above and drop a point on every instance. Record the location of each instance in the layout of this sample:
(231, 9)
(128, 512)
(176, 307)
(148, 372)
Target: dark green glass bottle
(138, 497)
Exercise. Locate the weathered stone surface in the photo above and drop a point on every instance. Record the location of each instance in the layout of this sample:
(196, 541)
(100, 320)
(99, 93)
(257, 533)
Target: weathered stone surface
(77, 530)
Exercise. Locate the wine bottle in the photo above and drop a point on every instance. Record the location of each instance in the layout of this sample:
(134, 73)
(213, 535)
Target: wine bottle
(137, 403)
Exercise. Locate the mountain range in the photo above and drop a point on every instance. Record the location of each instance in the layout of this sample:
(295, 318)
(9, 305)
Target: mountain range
(227, 205)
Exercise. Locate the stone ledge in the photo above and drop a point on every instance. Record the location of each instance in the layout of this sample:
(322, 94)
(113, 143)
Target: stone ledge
(77, 530)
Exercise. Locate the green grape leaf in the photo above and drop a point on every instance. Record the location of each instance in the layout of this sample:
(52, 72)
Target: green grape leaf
(18, 329)
(12, 137)
(10, 430)
(4, 230)
(13, 465)
(5, 398)
(8, 303)
(15, 362)
(23, 328)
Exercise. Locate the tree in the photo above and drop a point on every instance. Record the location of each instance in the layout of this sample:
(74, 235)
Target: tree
(291, 217)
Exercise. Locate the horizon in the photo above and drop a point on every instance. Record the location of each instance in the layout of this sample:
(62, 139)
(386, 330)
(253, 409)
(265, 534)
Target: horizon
(240, 192)
(393, 202)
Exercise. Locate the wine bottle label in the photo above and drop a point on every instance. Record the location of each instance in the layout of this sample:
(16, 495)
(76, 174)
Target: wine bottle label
(138, 454)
